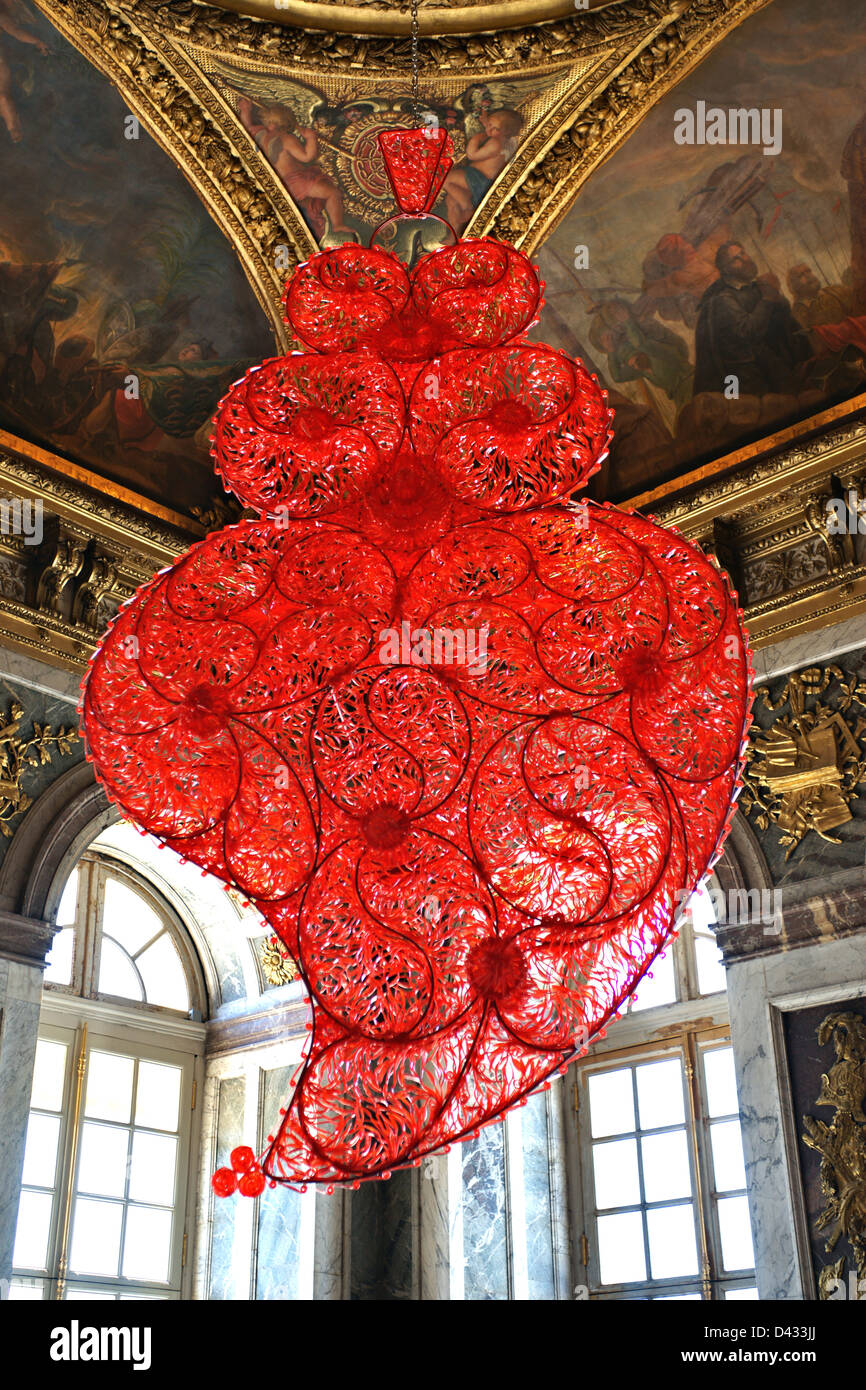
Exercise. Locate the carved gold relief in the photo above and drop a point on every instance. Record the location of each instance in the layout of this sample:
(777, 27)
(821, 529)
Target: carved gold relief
(277, 964)
(18, 754)
(393, 16)
(803, 772)
(842, 1145)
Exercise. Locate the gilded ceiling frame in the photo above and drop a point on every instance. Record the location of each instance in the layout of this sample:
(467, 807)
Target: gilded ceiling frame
(628, 54)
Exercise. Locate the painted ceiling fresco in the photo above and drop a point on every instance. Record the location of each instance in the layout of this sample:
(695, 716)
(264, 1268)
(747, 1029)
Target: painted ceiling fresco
(125, 313)
(322, 142)
(720, 291)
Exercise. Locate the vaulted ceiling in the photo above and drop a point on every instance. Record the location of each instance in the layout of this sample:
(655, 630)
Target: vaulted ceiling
(171, 162)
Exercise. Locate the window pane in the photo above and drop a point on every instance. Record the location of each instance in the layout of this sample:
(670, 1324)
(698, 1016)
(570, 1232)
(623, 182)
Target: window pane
(68, 901)
(666, 1171)
(163, 975)
(736, 1295)
(128, 918)
(672, 1241)
(158, 1096)
(721, 1082)
(611, 1102)
(40, 1155)
(29, 1289)
(95, 1237)
(33, 1230)
(49, 1070)
(58, 962)
(109, 1086)
(617, 1183)
(620, 1248)
(147, 1247)
(728, 1162)
(116, 972)
(660, 1094)
(661, 989)
(711, 970)
(736, 1233)
(154, 1157)
(104, 1153)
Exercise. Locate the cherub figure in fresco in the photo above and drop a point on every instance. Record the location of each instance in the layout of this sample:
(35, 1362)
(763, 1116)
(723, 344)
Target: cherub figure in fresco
(10, 24)
(292, 150)
(486, 156)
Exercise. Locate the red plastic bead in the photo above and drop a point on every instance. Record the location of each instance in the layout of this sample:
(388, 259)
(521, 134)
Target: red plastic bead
(243, 1159)
(224, 1182)
(252, 1184)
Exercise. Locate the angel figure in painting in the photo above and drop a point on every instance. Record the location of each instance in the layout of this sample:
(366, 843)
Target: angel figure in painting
(292, 150)
(10, 24)
(486, 156)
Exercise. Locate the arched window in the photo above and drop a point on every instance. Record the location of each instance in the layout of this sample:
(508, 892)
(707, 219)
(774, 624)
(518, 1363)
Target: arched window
(106, 1202)
(119, 939)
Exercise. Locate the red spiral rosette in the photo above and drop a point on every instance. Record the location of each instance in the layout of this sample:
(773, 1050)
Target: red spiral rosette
(336, 299)
(482, 293)
(305, 433)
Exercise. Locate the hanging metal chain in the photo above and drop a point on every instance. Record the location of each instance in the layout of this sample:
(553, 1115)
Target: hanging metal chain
(416, 100)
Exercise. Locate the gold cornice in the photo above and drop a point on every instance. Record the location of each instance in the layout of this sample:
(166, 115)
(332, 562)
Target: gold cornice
(380, 17)
(769, 507)
(108, 499)
(832, 446)
(102, 508)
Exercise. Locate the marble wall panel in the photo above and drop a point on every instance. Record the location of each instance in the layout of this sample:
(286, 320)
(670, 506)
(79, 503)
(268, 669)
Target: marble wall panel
(278, 1234)
(20, 991)
(761, 991)
(229, 1133)
(484, 1252)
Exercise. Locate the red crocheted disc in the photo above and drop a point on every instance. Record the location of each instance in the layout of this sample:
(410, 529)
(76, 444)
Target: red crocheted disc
(482, 293)
(338, 297)
(305, 433)
(464, 743)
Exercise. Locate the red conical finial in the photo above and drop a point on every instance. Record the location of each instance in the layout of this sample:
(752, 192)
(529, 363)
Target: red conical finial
(416, 162)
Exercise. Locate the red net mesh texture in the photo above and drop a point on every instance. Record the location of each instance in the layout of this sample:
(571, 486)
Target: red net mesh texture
(416, 162)
(465, 744)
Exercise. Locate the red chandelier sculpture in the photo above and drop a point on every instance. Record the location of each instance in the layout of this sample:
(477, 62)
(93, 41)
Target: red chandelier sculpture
(465, 743)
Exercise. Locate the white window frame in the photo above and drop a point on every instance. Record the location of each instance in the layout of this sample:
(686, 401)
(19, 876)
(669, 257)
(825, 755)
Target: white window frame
(150, 1035)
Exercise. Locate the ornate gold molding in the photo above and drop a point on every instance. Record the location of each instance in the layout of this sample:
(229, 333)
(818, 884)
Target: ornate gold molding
(766, 522)
(394, 16)
(278, 966)
(842, 1145)
(803, 771)
(19, 754)
(94, 552)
